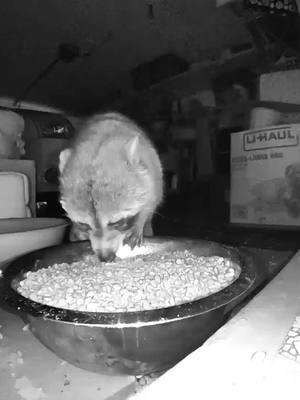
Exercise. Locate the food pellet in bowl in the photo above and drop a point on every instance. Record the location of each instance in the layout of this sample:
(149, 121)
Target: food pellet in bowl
(144, 282)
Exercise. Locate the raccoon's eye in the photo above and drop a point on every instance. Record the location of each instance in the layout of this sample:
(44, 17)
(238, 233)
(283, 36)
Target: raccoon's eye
(123, 224)
(83, 227)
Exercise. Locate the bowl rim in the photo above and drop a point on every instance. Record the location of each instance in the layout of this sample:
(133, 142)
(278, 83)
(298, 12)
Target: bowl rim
(59, 223)
(212, 302)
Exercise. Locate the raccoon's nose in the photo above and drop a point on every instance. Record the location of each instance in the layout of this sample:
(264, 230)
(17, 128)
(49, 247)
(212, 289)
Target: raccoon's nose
(106, 256)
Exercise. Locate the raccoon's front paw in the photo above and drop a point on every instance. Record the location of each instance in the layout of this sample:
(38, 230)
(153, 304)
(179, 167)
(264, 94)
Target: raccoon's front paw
(77, 235)
(134, 238)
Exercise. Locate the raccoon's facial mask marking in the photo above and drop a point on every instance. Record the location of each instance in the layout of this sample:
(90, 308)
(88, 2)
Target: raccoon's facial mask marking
(123, 224)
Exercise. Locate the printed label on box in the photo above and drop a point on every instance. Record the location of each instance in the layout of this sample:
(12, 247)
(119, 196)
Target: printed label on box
(265, 176)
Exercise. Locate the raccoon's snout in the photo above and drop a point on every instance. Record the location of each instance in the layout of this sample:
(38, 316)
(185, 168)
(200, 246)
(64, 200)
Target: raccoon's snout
(105, 244)
(106, 256)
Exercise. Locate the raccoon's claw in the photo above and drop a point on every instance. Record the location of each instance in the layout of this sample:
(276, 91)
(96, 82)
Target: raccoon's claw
(134, 239)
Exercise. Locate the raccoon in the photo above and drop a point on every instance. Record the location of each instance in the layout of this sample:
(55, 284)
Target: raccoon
(111, 183)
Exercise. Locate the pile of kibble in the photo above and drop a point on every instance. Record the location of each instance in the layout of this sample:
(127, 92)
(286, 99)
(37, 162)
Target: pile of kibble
(141, 283)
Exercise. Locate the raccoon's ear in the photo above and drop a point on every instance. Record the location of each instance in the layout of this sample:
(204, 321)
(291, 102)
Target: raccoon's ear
(63, 158)
(132, 150)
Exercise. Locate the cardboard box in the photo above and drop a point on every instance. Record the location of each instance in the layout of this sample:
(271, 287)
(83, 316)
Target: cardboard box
(265, 177)
(280, 86)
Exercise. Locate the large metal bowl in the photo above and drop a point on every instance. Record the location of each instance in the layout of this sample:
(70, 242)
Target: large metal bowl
(135, 343)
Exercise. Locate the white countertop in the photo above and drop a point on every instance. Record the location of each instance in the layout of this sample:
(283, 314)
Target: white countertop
(29, 371)
(243, 359)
